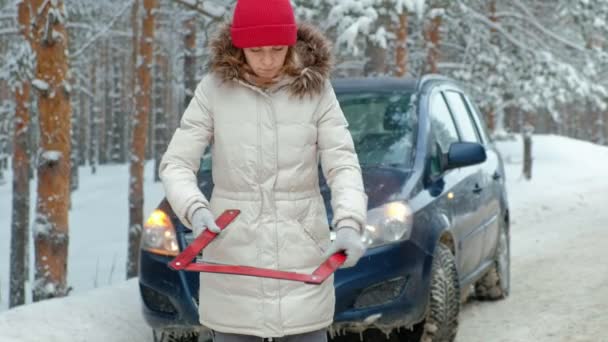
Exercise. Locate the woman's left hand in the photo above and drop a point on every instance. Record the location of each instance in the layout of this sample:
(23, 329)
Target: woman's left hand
(348, 239)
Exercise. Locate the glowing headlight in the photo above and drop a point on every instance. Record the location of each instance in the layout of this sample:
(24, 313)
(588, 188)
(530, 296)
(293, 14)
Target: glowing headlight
(388, 223)
(159, 235)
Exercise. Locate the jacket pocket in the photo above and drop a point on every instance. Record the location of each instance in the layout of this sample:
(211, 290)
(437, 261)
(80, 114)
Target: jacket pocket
(311, 224)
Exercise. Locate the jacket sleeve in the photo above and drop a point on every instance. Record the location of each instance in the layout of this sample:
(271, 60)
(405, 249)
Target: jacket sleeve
(340, 164)
(181, 161)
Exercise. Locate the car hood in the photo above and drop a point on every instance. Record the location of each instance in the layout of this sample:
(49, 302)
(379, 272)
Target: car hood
(381, 185)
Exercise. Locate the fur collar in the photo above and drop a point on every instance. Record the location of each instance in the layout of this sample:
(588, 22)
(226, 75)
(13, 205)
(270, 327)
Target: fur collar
(312, 59)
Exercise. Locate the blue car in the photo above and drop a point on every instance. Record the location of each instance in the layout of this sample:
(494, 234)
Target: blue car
(437, 225)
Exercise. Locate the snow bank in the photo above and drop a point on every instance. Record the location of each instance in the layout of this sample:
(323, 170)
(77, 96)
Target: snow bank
(112, 314)
(561, 167)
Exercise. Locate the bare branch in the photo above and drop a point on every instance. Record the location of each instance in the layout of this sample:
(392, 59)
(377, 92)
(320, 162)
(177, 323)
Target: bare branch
(8, 31)
(530, 19)
(103, 31)
(197, 8)
(497, 27)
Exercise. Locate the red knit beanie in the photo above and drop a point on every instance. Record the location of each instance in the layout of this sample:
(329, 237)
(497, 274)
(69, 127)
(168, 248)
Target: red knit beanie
(263, 23)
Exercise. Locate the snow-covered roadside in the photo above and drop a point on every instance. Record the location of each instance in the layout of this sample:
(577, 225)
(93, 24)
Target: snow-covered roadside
(559, 276)
(559, 290)
(98, 228)
(112, 313)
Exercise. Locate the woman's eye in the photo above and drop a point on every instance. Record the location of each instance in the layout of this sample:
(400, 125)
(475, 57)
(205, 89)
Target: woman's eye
(278, 48)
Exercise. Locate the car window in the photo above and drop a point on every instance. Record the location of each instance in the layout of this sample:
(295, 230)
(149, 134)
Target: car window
(468, 132)
(443, 131)
(442, 124)
(482, 127)
(383, 126)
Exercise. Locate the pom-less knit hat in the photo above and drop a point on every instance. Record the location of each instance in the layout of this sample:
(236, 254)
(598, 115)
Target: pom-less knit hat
(263, 23)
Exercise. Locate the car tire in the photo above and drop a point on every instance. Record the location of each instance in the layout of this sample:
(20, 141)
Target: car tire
(175, 336)
(441, 322)
(496, 284)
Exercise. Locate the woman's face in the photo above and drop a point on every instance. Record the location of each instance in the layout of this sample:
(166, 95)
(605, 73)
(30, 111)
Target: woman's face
(266, 61)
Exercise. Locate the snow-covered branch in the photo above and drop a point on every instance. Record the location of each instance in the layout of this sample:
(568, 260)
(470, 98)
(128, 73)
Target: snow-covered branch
(103, 31)
(8, 31)
(483, 19)
(197, 6)
(540, 27)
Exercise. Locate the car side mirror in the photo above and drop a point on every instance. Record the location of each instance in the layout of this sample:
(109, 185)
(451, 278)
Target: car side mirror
(464, 154)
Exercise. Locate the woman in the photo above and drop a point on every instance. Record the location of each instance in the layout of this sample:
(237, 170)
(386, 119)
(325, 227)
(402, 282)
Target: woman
(270, 113)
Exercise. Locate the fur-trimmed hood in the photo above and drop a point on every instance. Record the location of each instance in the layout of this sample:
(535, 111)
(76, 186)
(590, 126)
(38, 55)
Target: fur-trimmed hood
(312, 58)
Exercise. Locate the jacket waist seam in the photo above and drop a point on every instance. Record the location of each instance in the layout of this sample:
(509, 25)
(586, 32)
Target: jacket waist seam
(256, 196)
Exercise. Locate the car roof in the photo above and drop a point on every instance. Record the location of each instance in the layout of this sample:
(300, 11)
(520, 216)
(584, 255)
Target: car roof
(385, 83)
(373, 84)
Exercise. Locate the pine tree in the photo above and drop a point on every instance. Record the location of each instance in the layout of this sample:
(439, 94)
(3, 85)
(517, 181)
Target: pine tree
(51, 222)
(139, 139)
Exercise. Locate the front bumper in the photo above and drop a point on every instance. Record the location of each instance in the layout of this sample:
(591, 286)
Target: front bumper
(387, 287)
(390, 281)
(166, 295)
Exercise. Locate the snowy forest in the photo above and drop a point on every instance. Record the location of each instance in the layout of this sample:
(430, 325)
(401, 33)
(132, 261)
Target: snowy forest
(87, 83)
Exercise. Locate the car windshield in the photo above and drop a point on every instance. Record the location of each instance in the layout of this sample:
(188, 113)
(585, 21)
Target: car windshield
(383, 127)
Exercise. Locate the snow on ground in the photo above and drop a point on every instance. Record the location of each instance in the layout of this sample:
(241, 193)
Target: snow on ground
(559, 276)
(112, 313)
(98, 228)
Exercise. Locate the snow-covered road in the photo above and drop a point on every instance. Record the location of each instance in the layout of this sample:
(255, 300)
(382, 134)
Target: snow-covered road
(559, 276)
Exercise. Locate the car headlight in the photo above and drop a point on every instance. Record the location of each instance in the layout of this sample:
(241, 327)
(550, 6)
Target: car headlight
(158, 235)
(388, 223)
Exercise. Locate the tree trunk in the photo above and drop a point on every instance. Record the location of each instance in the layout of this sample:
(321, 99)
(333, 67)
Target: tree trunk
(189, 58)
(116, 136)
(83, 127)
(491, 112)
(160, 117)
(605, 127)
(21, 181)
(527, 138)
(51, 224)
(433, 39)
(376, 65)
(135, 22)
(74, 136)
(102, 118)
(138, 142)
(598, 135)
(401, 58)
(94, 114)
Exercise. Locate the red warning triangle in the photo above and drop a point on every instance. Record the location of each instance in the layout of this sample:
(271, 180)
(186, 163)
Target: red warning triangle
(183, 261)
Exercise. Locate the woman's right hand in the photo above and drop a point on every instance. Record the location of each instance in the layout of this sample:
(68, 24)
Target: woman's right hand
(203, 219)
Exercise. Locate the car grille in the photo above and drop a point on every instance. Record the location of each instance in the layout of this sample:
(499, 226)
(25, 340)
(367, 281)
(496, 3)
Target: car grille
(381, 293)
(156, 301)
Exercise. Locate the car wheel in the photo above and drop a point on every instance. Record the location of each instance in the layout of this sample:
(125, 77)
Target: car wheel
(174, 336)
(441, 323)
(496, 284)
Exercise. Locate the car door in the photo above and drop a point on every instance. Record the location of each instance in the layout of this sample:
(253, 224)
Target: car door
(480, 189)
(494, 180)
(459, 184)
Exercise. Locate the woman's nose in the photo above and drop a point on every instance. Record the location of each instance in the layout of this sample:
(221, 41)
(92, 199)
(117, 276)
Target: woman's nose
(267, 60)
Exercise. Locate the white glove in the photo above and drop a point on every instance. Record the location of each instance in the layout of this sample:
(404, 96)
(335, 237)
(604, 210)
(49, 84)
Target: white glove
(348, 239)
(203, 219)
